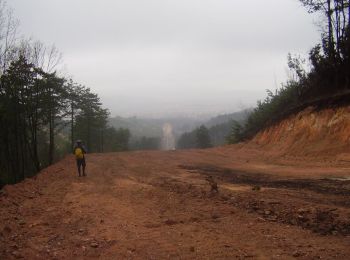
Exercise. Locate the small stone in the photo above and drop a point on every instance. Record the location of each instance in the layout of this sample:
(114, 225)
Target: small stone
(17, 254)
(170, 222)
(7, 229)
(22, 222)
(267, 212)
(301, 210)
(215, 216)
(225, 198)
(272, 218)
(296, 254)
(14, 246)
(256, 188)
(94, 245)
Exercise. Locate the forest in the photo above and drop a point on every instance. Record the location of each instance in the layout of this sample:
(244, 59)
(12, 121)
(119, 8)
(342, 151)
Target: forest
(41, 111)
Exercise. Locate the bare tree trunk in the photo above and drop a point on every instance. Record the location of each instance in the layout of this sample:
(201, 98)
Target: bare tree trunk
(330, 30)
(72, 125)
(337, 25)
(51, 139)
(102, 144)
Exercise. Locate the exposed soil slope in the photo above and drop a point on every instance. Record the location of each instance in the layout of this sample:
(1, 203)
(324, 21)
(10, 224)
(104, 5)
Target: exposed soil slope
(310, 132)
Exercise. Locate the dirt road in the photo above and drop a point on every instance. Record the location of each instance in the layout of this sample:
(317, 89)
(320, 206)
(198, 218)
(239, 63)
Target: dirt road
(158, 205)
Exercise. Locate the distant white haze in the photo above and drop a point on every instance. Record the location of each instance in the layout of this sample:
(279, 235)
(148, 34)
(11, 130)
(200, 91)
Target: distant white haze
(159, 58)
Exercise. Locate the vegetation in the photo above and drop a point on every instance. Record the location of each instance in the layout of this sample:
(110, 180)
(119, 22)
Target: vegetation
(187, 140)
(218, 127)
(198, 138)
(327, 78)
(146, 143)
(202, 137)
(37, 106)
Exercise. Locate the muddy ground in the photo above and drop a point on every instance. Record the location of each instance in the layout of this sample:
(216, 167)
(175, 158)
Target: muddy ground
(159, 205)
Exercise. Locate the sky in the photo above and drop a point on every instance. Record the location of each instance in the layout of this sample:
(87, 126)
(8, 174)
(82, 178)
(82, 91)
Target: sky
(155, 58)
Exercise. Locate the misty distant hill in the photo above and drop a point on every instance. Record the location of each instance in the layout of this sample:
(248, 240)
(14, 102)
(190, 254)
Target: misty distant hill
(150, 127)
(239, 116)
(219, 126)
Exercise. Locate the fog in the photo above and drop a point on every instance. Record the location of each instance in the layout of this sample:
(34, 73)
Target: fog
(172, 57)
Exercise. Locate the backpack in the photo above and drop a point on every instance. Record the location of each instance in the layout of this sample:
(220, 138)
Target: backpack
(79, 153)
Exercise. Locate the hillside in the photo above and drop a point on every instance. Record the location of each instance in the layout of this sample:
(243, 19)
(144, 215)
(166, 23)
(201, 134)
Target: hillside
(311, 132)
(239, 116)
(152, 127)
(219, 128)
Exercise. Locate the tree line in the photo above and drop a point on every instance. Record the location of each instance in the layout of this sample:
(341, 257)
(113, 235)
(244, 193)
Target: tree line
(41, 112)
(327, 79)
(198, 138)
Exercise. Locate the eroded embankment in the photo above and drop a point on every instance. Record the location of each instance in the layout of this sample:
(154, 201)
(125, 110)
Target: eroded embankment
(312, 132)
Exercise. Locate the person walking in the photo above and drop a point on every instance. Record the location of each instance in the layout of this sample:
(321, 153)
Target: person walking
(79, 152)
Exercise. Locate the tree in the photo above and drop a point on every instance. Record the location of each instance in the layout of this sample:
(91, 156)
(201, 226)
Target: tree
(8, 33)
(55, 104)
(337, 22)
(146, 143)
(91, 120)
(236, 133)
(20, 113)
(46, 58)
(203, 137)
(118, 140)
(187, 140)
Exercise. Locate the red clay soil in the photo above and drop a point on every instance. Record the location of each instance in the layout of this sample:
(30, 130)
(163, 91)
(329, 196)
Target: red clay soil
(158, 205)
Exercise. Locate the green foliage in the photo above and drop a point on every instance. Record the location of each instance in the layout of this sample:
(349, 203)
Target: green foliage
(90, 121)
(20, 99)
(236, 133)
(219, 129)
(146, 143)
(118, 140)
(272, 108)
(35, 107)
(203, 137)
(187, 140)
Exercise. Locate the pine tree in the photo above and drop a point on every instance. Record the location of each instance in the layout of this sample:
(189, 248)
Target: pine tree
(203, 137)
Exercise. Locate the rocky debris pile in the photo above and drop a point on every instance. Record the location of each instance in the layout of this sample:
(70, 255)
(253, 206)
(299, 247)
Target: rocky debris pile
(320, 220)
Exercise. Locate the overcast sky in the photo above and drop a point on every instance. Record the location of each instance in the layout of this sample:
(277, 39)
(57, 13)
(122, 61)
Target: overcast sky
(167, 57)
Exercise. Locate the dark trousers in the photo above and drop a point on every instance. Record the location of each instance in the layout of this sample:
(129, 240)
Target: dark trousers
(81, 163)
